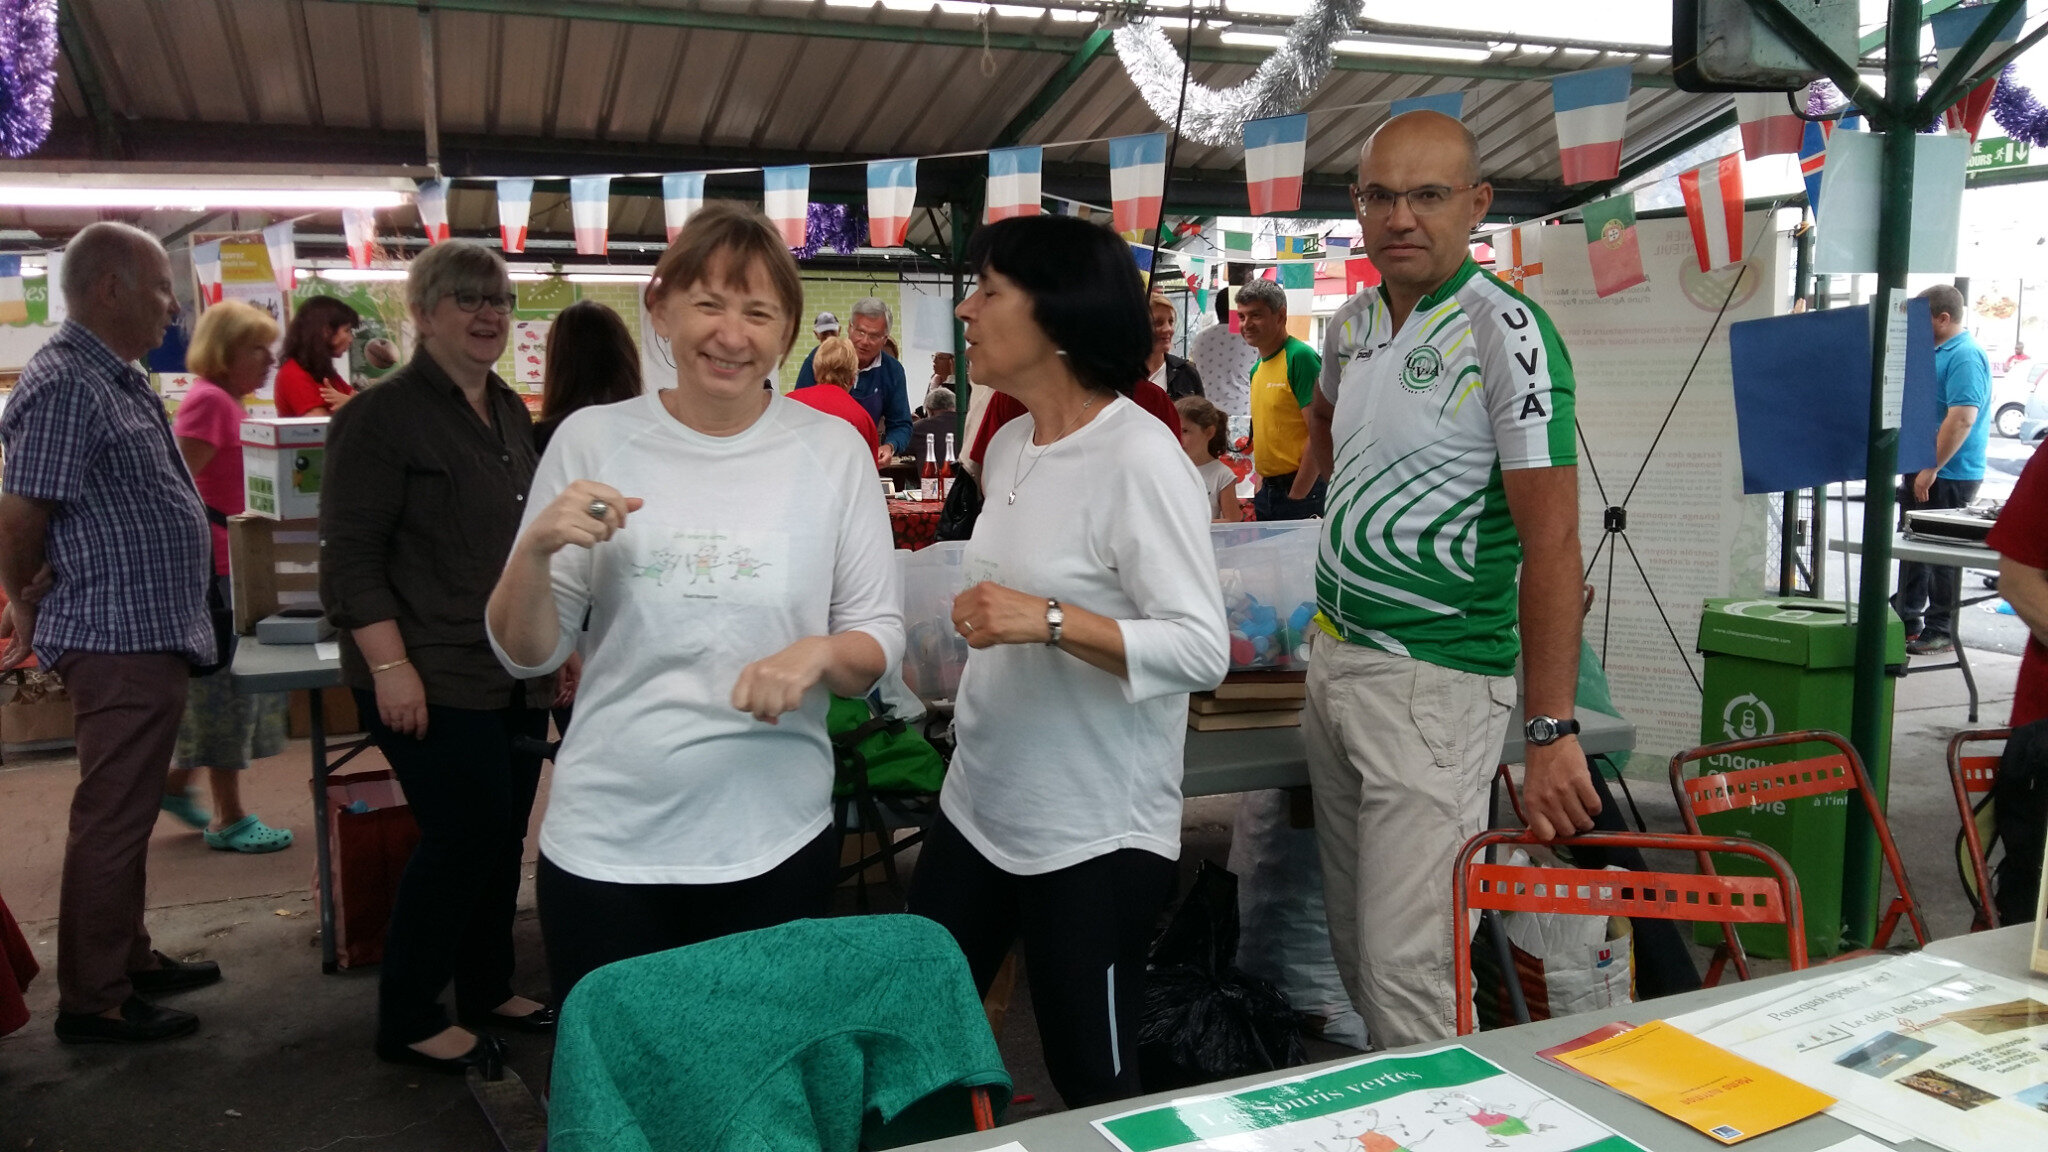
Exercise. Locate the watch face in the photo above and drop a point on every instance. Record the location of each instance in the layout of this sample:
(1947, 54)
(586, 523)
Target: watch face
(1542, 730)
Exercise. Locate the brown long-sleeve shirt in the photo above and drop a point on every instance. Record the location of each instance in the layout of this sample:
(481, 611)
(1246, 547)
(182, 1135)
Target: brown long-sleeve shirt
(419, 508)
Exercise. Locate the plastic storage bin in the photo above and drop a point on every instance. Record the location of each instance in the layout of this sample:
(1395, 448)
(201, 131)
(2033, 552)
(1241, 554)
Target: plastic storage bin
(933, 652)
(1268, 570)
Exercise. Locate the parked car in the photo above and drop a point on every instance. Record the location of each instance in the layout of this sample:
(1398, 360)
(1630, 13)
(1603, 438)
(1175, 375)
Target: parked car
(2010, 394)
(2034, 422)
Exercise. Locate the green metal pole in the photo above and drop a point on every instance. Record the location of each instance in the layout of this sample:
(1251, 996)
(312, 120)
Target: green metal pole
(1870, 716)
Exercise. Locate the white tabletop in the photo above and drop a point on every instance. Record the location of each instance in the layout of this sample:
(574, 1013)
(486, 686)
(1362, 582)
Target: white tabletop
(1920, 551)
(282, 667)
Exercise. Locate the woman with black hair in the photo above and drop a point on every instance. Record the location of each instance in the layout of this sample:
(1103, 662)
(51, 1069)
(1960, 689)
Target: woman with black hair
(591, 359)
(1096, 611)
(322, 328)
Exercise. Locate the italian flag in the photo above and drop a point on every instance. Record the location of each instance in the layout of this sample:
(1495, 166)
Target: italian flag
(1612, 246)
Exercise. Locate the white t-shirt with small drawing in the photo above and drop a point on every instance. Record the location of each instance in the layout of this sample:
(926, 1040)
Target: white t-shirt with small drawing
(746, 544)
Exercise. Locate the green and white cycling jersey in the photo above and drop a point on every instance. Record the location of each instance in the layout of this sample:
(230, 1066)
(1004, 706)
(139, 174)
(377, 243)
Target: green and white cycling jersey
(1419, 552)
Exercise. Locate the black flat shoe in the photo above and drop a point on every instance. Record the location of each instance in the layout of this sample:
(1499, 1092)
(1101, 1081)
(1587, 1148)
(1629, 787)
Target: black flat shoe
(140, 1023)
(174, 976)
(541, 1020)
(487, 1056)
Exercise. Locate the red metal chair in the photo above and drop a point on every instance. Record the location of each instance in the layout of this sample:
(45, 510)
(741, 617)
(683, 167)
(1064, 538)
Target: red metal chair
(1838, 771)
(1478, 885)
(1971, 777)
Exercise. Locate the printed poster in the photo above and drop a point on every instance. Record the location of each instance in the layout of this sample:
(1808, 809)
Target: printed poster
(1446, 1100)
(529, 353)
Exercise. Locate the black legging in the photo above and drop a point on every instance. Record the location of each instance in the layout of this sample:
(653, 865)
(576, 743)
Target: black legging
(586, 924)
(471, 790)
(1085, 931)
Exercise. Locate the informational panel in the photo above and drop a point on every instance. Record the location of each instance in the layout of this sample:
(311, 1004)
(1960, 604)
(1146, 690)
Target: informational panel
(1689, 527)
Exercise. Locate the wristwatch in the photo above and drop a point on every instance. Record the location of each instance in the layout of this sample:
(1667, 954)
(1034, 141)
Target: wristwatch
(1545, 730)
(1054, 617)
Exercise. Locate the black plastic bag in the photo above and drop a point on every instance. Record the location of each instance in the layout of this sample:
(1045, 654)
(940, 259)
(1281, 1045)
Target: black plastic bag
(1204, 1020)
(963, 507)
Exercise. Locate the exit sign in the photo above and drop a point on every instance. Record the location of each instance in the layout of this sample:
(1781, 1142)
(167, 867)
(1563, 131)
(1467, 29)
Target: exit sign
(1993, 152)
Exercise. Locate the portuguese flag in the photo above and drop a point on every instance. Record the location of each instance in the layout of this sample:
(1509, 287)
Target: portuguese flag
(1611, 242)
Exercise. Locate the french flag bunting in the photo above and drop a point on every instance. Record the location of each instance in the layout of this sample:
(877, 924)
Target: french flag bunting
(432, 202)
(1592, 116)
(283, 246)
(1275, 149)
(786, 198)
(590, 210)
(206, 266)
(892, 193)
(1013, 182)
(1137, 182)
(1713, 206)
(359, 229)
(1518, 259)
(1451, 104)
(1769, 125)
(1813, 157)
(515, 207)
(682, 193)
(1951, 29)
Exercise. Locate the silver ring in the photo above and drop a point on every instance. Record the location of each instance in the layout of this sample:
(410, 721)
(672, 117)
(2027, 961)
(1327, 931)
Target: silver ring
(967, 625)
(597, 509)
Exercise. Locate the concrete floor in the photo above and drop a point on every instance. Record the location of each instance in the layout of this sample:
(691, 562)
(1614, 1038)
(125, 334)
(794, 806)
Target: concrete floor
(283, 1062)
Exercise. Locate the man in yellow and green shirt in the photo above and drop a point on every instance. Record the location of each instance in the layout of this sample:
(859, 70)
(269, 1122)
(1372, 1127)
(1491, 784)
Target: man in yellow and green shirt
(1283, 383)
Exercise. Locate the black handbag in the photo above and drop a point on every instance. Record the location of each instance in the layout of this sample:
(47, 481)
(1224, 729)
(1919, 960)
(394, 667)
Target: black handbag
(220, 612)
(963, 506)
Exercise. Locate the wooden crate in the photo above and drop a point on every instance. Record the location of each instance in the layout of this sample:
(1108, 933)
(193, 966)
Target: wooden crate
(275, 564)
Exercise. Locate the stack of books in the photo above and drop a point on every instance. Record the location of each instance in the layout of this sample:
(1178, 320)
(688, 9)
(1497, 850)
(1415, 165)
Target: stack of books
(1250, 700)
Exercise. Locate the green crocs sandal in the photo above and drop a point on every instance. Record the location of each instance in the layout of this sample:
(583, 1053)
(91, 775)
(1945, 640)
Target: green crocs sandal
(184, 807)
(249, 835)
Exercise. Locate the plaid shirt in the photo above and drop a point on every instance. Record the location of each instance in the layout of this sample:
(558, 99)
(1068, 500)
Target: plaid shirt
(128, 540)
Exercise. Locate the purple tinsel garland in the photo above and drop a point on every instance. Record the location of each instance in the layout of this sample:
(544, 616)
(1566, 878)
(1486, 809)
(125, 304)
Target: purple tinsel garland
(2014, 107)
(840, 227)
(28, 73)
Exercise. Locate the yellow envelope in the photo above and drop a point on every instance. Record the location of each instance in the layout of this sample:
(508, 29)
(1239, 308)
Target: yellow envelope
(1694, 1082)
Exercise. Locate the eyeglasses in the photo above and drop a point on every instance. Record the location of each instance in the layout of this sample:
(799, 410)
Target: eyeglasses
(1427, 200)
(476, 301)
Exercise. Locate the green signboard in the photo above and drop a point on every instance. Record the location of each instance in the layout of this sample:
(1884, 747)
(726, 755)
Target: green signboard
(1994, 152)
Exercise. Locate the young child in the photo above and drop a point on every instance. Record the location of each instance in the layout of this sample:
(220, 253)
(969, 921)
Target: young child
(1204, 436)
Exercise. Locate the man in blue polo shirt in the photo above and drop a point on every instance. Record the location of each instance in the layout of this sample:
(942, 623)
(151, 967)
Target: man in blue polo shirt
(880, 387)
(1962, 384)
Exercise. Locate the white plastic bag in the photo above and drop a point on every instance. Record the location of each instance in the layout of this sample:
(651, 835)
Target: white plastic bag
(1583, 962)
(1283, 937)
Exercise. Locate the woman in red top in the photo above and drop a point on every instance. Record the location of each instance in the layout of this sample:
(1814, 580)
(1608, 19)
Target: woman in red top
(836, 365)
(307, 384)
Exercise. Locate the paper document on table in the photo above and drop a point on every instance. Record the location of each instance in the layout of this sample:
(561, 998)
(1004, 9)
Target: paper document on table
(1379, 1104)
(327, 650)
(1696, 1083)
(1956, 1056)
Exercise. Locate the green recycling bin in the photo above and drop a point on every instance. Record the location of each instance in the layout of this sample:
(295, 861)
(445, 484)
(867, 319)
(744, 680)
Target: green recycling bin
(1784, 665)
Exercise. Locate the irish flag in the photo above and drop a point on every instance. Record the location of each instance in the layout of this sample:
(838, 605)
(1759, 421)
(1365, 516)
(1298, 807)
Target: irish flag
(1713, 206)
(1592, 111)
(590, 209)
(1013, 181)
(1769, 125)
(1137, 182)
(786, 198)
(682, 193)
(1611, 243)
(432, 202)
(515, 208)
(892, 193)
(1951, 29)
(1274, 152)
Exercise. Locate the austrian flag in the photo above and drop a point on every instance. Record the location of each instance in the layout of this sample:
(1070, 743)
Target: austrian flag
(1274, 151)
(1592, 114)
(1713, 206)
(1612, 246)
(1137, 182)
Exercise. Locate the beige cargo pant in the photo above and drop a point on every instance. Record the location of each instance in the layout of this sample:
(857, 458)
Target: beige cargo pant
(1401, 755)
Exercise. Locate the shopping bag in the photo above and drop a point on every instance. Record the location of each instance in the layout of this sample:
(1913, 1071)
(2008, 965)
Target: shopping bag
(371, 835)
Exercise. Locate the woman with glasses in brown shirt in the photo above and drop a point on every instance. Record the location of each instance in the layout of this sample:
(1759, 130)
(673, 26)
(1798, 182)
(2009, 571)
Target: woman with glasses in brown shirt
(426, 480)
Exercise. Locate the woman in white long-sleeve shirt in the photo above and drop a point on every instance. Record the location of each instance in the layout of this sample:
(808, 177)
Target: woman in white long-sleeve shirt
(1094, 610)
(692, 797)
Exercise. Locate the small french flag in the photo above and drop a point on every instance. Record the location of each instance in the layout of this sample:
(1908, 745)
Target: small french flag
(515, 208)
(1592, 115)
(1275, 148)
(1013, 182)
(590, 210)
(206, 266)
(1713, 206)
(1451, 104)
(1769, 125)
(1951, 29)
(359, 229)
(682, 193)
(892, 194)
(432, 202)
(786, 197)
(283, 246)
(1137, 182)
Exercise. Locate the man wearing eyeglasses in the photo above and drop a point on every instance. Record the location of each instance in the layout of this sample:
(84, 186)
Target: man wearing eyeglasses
(1445, 404)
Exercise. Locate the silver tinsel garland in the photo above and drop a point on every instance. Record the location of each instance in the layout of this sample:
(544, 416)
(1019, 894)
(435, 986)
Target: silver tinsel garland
(1279, 88)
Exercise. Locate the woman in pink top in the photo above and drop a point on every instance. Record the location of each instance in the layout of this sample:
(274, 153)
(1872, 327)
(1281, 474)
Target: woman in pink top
(223, 729)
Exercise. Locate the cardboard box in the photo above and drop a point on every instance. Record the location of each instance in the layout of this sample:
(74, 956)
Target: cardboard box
(337, 711)
(41, 725)
(275, 564)
(282, 461)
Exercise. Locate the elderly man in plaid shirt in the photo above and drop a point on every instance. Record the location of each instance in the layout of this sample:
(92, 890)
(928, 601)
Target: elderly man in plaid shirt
(105, 557)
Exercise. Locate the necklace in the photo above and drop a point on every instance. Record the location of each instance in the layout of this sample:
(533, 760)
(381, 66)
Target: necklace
(1071, 425)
